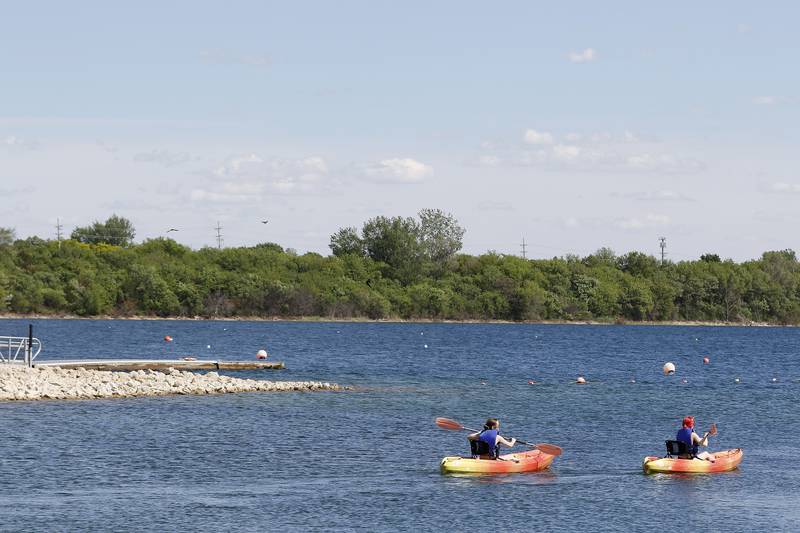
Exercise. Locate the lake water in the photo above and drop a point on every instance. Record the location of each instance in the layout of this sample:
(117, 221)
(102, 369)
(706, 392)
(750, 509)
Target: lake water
(368, 459)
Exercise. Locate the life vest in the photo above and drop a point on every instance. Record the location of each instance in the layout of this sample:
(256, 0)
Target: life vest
(486, 443)
(685, 436)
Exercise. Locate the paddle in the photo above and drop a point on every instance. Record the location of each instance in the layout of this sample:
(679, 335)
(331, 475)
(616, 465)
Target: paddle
(711, 431)
(550, 449)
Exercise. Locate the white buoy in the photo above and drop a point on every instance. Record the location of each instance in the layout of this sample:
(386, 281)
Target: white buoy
(581, 380)
(669, 368)
(425, 346)
(208, 346)
(736, 380)
(261, 354)
(774, 380)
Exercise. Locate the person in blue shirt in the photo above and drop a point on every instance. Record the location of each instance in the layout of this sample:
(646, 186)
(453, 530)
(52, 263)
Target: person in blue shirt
(489, 440)
(693, 441)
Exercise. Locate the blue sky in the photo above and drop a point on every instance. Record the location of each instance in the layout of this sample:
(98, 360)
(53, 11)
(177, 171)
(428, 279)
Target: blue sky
(574, 125)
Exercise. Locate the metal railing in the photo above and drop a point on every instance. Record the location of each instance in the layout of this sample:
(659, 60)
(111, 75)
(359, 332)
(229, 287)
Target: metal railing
(11, 348)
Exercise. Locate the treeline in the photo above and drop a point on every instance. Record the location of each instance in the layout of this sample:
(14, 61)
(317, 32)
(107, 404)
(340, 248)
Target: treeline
(393, 268)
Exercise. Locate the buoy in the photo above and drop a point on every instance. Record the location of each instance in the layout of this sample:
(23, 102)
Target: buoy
(774, 380)
(684, 381)
(167, 338)
(706, 360)
(208, 346)
(581, 380)
(736, 380)
(483, 383)
(261, 354)
(425, 346)
(531, 382)
(633, 381)
(669, 368)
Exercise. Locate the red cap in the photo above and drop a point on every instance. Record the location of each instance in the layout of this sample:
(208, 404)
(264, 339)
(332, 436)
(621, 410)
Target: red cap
(688, 422)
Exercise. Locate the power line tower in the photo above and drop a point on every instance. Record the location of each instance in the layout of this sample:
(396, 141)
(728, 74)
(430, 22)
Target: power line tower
(58, 231)
(663, 245)
(219, 235)
(524, 249)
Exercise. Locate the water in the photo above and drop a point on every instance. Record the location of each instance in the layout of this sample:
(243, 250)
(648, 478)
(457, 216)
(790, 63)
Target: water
(368, 459)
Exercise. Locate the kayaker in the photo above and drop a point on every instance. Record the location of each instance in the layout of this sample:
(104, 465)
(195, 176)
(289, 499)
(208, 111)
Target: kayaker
(486, 443)
(693, 441)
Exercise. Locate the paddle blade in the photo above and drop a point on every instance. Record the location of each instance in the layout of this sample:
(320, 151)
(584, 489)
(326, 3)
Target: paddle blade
(446, 423)
(712, 430)
(550, 449)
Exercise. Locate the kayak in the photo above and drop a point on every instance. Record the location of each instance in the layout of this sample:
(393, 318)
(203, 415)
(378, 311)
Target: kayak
(530, 461)
(724, 461)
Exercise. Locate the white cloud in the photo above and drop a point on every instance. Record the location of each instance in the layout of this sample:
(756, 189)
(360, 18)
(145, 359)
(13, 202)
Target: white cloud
(584, 56)
(250, 178)
(538, 137)
(650, 220)
(12, 142)
(656, 196)
(782, 187)
(397, 170)
(774, 100)
(163, 157)
(488, 161)
(236, 164)
(566, 152)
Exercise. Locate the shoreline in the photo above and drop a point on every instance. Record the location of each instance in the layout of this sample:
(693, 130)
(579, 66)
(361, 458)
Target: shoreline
(332, 320)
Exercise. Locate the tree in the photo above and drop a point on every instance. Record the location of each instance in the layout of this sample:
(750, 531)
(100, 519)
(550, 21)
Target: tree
(346, 242)
(710, 258)
(440, 234)
(6, 236)
(116, 230)
(394, 241)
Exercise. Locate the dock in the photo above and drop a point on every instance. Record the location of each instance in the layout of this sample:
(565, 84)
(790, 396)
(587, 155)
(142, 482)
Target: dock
(128, 365)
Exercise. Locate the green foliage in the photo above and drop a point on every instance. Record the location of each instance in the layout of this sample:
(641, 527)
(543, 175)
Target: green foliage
(116, 231)
(401, 269)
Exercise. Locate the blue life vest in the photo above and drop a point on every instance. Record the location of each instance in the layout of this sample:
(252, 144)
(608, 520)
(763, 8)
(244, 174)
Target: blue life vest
(685, 436)
(489, 436)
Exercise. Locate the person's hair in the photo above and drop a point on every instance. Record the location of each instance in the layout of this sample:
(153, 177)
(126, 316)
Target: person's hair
(688, 422)
(491, 423)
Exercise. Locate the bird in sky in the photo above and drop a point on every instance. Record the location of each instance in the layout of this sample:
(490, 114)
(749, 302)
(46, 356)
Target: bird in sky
(264, 221)
(171, 229)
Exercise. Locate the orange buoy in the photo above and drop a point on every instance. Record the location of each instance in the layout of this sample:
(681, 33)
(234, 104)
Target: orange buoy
(167, 338)
(706, 360)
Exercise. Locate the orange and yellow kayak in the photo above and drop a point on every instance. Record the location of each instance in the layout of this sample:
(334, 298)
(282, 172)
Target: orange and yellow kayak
(724, 461)
(530, 461)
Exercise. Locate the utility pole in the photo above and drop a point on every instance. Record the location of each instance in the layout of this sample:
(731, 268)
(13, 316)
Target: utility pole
(58, 231)
(219, 235)
(524, 249)
(663, 245)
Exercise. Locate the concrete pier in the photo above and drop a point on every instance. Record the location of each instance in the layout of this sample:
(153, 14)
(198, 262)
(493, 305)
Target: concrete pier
(129, 365)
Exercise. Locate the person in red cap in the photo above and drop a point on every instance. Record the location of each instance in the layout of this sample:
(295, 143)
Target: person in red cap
(693, 441)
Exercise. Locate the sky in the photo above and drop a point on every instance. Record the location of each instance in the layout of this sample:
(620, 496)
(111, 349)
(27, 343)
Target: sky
(571, 125)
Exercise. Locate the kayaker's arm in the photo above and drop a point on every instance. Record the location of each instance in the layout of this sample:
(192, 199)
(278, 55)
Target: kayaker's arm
(700, 441)
(473, 436)
(505, 442)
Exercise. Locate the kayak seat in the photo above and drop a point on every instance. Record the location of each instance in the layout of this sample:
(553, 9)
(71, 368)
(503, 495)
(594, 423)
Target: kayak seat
(676, 447)
(478, 448)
